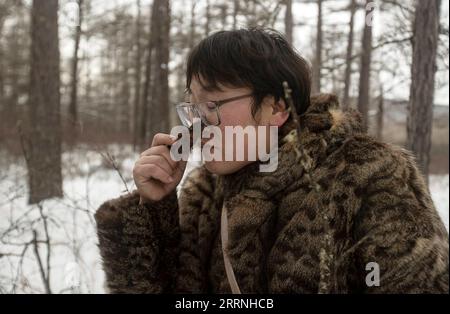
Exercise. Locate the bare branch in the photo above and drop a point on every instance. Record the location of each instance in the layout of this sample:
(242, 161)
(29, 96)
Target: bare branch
(41, 267)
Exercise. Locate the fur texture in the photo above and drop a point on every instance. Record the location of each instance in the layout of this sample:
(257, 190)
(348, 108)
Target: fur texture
(309, 227)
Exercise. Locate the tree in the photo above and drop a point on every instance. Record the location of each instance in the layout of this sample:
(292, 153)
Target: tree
(73, 110)
(380, 114)
(159, 113)
(192, 31)
(148, 71)
(3, 13)
(208, 17)
(156, 109)
(366, 59)
(14, 43)
(124, 87)
(236, 8)
(223, 14)
(420, 111)
(349, 56)
(43, 152)
(318, 57)
(288, 21)
(137, 76)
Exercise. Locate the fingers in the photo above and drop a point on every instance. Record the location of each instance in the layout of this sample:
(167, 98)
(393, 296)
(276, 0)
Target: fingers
(154, 171)
(163, 139)
(163, 151)
(157, 160)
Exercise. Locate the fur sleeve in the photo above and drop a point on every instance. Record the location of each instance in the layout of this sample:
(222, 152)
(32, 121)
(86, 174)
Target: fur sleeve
(399, 228)
(138, 243)
(196, 203)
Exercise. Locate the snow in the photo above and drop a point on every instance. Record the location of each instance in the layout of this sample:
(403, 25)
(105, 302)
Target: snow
(89, 180)
(439, 193)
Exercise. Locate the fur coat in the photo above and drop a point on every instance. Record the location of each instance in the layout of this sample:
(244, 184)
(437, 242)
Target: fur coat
(340, 203)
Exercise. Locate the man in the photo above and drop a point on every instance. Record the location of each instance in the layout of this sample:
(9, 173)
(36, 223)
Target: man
(341, 213)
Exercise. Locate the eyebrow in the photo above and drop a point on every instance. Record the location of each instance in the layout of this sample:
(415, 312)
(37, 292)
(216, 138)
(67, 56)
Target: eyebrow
(212, 88)
(188, 92)
(204, 88)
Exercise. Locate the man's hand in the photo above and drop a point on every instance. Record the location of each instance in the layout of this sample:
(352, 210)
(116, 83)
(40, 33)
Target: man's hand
(155, 174)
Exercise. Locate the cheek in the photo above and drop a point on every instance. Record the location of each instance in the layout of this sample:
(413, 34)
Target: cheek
(236, 115)
(239, 115)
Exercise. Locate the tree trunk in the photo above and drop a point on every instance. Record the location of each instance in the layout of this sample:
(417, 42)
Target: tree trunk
(2, 79)
(366, 59)
(73, 110)
(192, 26)
(235, 13)
(14, 77)
(2, 68)
(224, 15)
(208, 17)
(348, 69)
(43, 154)
(159, 111)
(3, 15)
(288, 22)
(137, 78)
(380, 115)
(143, 141)
(420, 117)
(318, 58)
(124, 91)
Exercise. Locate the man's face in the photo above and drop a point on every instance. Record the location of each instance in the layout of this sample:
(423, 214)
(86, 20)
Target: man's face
(235, 113)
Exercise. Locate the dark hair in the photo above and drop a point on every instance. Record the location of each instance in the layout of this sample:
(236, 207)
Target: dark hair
(259, 59)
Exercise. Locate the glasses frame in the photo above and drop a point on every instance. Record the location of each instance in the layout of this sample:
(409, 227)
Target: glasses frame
(218, 104)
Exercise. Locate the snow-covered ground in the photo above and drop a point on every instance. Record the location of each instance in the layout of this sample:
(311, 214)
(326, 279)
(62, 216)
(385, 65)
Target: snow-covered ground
(439, 193)
(89, 180)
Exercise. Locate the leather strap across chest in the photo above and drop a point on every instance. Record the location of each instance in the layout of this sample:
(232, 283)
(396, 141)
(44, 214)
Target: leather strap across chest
(226, 259)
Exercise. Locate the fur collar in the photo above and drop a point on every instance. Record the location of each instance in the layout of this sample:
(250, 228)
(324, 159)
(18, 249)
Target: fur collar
(324, 128)
(251, 196)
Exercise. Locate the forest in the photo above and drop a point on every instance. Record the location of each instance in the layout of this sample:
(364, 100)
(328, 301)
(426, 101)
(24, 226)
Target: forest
(85, 85)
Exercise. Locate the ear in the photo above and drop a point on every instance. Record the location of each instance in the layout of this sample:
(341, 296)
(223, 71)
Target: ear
(279, 113)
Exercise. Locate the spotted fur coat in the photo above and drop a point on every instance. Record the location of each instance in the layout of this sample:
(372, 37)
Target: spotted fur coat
(309, 227)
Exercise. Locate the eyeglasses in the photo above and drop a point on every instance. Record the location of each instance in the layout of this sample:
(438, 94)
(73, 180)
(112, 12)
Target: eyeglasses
(208, 111)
